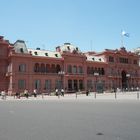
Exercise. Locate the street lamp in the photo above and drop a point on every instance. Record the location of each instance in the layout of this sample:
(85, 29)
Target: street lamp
(96, 74)
(61, 74)
(128, 76)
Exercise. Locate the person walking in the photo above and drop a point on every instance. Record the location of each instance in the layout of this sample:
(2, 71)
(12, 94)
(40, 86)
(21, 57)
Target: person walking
(56, 92)
(62, 92)
(35, 93)
(17, 95)
(87, 92)
(3, 95)
(26, 94)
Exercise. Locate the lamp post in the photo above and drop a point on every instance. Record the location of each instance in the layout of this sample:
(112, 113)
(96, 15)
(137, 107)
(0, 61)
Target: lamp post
(61, 74)
(96, 74)
(128, 76)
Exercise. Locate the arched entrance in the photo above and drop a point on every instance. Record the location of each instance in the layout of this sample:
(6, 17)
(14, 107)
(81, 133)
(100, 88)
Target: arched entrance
(124, 80)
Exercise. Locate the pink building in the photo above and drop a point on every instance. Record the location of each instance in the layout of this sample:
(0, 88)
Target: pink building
(67, 67)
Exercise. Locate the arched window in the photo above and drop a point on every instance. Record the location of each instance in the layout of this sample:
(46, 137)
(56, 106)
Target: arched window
(53, 68)
(88, 70)
(99, 71)
(58, 68)
(47, 68)
(69, 69)
(96, 69)
(103, 72)
(74, 70)
(22, 67)
(80, 69)
(36, 67)
(42, 68)
(91, 70)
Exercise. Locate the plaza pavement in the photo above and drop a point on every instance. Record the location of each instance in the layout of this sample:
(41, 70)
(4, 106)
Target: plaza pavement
(68, 118)
(91, 96)
(71, 118)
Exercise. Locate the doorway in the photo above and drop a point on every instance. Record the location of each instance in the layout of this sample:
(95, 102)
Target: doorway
(124, 80)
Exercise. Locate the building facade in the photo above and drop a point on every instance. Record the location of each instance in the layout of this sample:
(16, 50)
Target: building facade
(68, 68)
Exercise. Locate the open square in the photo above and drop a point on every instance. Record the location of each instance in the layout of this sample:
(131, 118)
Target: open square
(70, 120)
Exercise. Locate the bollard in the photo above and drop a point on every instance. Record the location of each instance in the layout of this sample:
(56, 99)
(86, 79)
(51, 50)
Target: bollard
(115, 95)
(95, 95)
(58, 95)
(76, 95)
(137, 95)
(42, 95)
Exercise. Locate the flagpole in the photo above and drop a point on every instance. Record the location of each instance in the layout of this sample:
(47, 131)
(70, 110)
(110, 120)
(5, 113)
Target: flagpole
(122, 41)
(123, 33)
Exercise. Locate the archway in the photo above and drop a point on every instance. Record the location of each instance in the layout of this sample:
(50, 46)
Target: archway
(124, 80)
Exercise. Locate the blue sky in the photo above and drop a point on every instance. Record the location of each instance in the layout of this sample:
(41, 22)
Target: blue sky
(89, 24)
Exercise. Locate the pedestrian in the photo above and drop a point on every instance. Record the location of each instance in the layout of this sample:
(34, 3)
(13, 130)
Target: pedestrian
(62, 92)
(87, 92)
(56, 92)
(3, 95)
(35, 93)
(26, 94)
(17, 95)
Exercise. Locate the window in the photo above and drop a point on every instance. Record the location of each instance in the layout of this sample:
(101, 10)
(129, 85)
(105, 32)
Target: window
(35, 53)
(56, 55)
(81, 84)
(36, 67)
(102, 71)
(80, 69)
(135, 62)
(53, 69)
(89, 84)
(76, 48)
(42, 68)
(22, 68)
(21, 84)
(37, 84)
(88, 70)
(111, 59)
(95, 70)
(46, 54)
(123, 60)
(68, 47)
(48, 68)
(91, 70)
(75, 82)
(47, 84)
(74, 70)
(58, 84)
(99, 71)
(69, 84)
(69, 69)
(58, 68)
(21, 50)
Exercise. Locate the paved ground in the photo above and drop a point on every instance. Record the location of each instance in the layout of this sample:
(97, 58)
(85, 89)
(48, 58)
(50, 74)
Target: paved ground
(70, 119)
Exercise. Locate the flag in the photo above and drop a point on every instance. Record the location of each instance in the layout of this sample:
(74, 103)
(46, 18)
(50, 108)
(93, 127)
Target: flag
(125, 34)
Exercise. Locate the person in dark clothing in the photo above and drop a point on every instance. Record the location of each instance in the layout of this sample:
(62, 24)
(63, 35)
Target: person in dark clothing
(17, 95)
(87, 92)
(26, 93)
